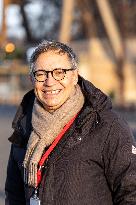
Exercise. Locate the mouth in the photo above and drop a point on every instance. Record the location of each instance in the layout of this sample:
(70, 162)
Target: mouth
(51, 92)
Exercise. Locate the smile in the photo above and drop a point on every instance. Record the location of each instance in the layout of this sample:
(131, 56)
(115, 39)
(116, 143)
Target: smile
(52, 92)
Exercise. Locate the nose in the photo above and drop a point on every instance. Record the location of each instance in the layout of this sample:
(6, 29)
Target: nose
(50, 80)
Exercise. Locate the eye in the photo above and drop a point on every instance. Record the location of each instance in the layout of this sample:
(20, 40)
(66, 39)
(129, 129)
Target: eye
(58, 72)
(39, 73)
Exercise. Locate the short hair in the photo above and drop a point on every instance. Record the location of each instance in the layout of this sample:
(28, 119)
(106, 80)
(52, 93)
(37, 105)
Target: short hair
(52, 45)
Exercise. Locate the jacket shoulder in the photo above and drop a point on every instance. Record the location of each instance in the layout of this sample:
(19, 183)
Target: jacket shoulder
(28, 97)
(119, 132)
(25, 104)
(22, 120)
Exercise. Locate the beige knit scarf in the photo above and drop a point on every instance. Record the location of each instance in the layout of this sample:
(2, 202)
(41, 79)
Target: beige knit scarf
(46, 126)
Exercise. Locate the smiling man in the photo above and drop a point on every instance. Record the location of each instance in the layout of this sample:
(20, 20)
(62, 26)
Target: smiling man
(68, 146)
(55, 78)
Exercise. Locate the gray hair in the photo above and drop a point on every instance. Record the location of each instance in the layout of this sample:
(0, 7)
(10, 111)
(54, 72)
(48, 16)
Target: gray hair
(61, 48)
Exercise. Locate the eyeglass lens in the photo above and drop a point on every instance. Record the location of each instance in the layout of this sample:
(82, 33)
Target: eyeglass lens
(42, 75)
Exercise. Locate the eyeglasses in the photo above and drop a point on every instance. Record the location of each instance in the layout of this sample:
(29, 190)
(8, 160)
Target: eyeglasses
(58, 74)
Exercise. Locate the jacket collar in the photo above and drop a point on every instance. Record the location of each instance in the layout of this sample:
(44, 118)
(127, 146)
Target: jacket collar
(94, 96)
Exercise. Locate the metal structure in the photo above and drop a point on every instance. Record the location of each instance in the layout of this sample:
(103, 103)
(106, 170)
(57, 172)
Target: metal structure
(110, 25)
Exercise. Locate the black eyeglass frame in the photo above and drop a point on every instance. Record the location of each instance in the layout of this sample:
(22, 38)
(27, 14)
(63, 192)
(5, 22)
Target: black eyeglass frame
(47, 73)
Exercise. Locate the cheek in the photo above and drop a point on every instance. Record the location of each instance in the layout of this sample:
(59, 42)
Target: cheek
(38, 86)
(68, 87)
(37, 89)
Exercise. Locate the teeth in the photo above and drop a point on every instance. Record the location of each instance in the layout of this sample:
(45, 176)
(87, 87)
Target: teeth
(52, 92)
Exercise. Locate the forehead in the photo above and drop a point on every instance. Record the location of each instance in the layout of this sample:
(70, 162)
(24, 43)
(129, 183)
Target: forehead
(51, 59)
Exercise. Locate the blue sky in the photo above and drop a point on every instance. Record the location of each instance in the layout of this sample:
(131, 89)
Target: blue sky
(14, 19)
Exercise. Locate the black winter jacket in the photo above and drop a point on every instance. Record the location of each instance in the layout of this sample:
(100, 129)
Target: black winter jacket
(93, 164)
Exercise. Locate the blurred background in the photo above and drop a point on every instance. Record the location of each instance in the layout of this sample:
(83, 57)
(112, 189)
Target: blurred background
(102, 33)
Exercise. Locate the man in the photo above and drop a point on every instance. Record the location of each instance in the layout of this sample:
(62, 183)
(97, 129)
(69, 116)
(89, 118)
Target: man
(68, 145)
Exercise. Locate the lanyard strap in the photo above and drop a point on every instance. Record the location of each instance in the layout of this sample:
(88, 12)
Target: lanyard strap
(50, 149)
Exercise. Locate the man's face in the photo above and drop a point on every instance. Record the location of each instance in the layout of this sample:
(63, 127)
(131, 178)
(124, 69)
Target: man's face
(52, 93)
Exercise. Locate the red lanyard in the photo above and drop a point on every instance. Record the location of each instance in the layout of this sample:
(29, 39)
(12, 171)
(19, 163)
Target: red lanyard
(53, 145)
